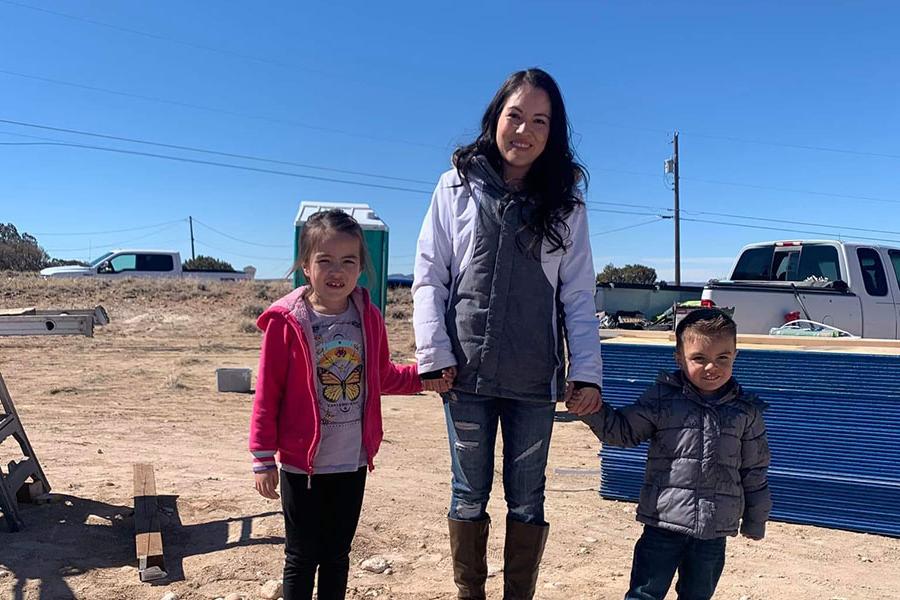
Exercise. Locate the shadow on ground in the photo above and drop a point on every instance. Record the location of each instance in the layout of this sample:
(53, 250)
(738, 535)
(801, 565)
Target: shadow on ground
(66, 538)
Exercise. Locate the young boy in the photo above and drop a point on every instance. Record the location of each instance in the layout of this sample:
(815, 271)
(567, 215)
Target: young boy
(706, 467)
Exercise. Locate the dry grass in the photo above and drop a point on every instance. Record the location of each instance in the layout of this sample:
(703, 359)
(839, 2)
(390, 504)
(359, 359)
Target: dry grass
(175, 381)
(27, 289)
(253, 310)
(248, 327)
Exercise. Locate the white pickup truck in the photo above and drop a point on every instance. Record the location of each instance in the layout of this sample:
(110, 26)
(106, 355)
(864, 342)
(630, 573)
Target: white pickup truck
(853, 287)
(120, 264)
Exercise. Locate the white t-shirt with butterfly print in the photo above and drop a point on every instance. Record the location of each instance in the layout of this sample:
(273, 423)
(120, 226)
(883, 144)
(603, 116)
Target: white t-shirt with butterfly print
(340, 381)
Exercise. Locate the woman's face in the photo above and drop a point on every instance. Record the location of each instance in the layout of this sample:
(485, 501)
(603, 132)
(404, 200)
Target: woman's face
(522, 130)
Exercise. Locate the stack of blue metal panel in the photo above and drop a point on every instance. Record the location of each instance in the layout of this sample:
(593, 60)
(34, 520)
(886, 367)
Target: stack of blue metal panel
(833, 423)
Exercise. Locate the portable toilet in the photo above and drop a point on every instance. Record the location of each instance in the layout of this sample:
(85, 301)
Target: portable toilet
(375, 232)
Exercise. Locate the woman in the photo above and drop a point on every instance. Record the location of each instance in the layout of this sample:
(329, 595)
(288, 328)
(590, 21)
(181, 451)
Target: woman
(503, 279)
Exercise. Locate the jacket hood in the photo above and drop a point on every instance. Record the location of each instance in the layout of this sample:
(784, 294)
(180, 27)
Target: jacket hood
(482, 170)
(293, 306)
(678, 382)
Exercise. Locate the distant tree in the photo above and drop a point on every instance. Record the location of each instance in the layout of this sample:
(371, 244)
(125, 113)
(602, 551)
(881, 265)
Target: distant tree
(627, 274)
(207, 263)
(64, 262)
(20, 251)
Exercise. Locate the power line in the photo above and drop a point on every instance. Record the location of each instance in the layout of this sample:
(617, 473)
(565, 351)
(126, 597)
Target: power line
(753, 186)
(231, 237)
(836, 233)
(218, 164)
(788, 230)
(229, 252)
(270, 171)
(750, 218)
(294, 67)
(792, 191)
(48, 234)
(793, 221)
(207, 151)
(794, 146)
(120, 244)
(214, 109)
(741, 140)
(623, 212)
(164, 38)
(632, 226)
(668, 208)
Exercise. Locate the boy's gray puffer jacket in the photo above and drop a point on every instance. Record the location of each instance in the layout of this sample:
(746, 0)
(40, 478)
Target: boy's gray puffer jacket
(708, 458)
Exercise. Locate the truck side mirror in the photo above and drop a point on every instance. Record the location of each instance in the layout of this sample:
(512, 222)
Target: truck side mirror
(840, 286)
(105, 267)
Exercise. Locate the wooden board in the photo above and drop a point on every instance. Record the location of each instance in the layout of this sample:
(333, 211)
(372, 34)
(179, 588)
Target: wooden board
(147, 539)
(8, 312)
(765, 342)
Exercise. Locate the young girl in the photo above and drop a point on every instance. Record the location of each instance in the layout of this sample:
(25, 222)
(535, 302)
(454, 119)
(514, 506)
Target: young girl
(503, 280)
(323, 367)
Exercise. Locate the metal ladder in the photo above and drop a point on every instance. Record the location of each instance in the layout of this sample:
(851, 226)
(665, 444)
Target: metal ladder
(13, 482)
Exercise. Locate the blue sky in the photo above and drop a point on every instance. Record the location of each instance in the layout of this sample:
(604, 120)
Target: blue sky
(788, 111)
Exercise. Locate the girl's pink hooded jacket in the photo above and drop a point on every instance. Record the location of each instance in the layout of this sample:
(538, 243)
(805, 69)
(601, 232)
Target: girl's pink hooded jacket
(285, 418)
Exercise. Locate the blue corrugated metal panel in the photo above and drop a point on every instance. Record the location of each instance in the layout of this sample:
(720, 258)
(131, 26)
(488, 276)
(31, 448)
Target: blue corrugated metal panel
(833, 422)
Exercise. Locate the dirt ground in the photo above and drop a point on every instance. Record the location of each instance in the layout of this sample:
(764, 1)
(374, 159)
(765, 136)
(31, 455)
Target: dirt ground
(143, 390)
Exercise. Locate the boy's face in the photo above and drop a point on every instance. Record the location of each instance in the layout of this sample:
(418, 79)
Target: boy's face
(707, 361)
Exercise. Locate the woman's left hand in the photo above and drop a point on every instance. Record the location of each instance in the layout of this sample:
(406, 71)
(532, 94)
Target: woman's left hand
(585, 401)
(442, 384)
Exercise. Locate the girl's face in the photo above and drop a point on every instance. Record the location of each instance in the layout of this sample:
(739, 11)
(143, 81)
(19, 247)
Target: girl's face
(332, 271)
(522, 130)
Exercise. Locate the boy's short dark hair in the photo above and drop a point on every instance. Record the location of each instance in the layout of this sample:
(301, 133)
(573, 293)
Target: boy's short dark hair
(706, 322)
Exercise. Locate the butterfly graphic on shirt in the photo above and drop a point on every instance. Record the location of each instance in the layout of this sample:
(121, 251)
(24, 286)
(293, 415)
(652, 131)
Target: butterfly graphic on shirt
(335, 388)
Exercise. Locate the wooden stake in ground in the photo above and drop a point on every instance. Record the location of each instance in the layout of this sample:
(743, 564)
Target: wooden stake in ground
(147, 539)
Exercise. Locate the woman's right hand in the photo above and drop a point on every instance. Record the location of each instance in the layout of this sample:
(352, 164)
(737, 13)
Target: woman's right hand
(266, 483)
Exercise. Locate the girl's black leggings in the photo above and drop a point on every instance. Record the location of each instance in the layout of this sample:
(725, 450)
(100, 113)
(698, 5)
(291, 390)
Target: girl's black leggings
(319, 524)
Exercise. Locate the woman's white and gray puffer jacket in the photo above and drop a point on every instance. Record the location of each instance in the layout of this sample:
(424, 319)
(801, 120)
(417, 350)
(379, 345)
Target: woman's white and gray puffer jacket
(485, 303)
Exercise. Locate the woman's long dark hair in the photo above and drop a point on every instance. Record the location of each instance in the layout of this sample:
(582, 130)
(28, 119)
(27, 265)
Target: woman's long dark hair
(553, 181)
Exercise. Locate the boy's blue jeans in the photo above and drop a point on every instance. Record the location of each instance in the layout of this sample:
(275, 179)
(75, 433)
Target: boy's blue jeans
(659, 553)
(472, 430)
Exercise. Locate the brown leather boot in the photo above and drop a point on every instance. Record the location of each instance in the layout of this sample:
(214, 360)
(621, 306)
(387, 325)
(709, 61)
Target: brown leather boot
(468, 547)
(521, 558)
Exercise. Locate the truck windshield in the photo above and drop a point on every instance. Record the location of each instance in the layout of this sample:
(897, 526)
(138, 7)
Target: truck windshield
(788, 263)
(895, 260)
(100, 259)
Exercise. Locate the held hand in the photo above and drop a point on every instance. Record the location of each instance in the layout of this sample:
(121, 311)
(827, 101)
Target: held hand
(449, 375)
(266, 482)
(443, 384)
(569, 393)
(585, 401)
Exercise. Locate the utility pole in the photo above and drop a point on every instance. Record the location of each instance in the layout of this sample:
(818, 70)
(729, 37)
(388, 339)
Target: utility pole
(191, 221)
(677, 217)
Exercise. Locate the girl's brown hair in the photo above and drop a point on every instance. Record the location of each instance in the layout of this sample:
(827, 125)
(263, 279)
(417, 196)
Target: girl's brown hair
(324, 223)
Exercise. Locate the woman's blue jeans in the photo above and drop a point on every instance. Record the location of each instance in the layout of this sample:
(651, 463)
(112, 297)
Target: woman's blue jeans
(472, 431)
